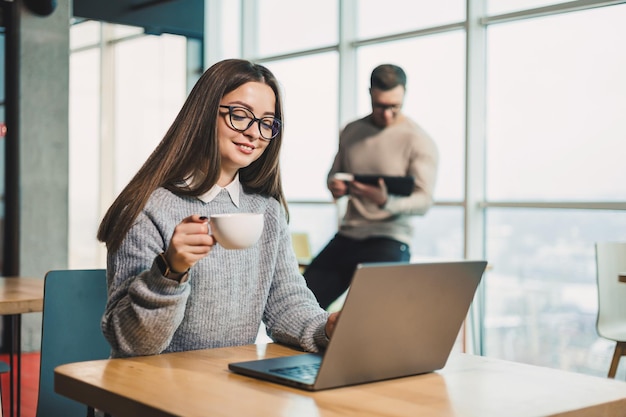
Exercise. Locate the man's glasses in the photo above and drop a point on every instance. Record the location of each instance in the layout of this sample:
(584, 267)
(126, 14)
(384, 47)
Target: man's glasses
(241, 119)
(384, 107)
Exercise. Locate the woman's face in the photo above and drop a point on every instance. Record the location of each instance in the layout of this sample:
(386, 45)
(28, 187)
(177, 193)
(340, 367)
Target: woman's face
(240, 149)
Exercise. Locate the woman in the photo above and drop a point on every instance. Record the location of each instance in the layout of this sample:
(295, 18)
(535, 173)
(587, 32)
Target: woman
(171, 288)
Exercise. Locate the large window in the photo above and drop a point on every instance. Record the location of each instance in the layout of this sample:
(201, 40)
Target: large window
(544, 137)
(120, 108)
(555, 135)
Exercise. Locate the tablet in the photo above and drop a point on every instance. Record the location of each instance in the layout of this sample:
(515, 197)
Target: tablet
(395, 184)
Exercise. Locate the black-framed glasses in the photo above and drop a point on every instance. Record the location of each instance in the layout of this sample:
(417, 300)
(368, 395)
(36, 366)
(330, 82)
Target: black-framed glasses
(241, 119)
(384, 107)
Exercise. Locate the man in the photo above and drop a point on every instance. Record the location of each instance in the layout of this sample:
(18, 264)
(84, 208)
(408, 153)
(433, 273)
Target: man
(376, 226)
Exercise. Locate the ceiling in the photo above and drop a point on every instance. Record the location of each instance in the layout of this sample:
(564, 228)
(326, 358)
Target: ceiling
(179, 17)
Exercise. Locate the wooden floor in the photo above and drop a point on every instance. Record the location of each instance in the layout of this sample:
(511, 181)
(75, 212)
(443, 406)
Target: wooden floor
(30, 384)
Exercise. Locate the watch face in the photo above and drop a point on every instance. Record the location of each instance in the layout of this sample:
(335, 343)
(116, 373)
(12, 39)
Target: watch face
(162, 264)
(167, 272)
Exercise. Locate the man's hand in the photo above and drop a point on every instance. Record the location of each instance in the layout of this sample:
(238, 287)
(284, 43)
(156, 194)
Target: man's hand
(338, 188)
(376, 193)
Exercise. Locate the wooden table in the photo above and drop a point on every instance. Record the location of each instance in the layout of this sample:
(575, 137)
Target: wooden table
(18, 295)
(198, 383)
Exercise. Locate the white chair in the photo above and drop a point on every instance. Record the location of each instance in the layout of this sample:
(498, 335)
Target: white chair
(611, 320)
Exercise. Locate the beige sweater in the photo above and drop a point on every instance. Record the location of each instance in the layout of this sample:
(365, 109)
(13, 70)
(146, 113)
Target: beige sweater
(401, 149)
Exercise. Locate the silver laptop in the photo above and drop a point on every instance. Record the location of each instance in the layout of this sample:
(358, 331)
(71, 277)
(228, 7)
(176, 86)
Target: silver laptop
(398, 319)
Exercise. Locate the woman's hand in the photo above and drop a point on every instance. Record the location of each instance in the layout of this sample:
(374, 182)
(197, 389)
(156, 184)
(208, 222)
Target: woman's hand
(331, 323)
(190, 243)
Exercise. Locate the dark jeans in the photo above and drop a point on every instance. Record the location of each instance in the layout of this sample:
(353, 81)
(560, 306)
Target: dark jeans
(330, 272)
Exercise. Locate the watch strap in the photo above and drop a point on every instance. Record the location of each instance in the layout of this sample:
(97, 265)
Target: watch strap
(168, 272)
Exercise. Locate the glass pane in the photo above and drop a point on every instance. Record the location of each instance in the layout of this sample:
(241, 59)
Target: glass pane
(149, 91)
(123, 31)
(86, 33)
(311, 131)
(286, 26)
(231, 31)
(508, 6)
(438, 234)
(84, 175)
(541, 294)
(556, 103)
(435, 96)
(318, 221)
(405, 15)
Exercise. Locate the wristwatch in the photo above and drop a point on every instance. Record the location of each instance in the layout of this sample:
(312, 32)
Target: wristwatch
(168, 272)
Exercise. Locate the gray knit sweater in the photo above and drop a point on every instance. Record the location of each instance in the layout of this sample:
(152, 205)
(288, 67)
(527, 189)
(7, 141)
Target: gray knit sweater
(228, 294)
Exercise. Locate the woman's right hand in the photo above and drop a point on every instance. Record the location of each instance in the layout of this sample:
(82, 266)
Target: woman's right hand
(189, 243)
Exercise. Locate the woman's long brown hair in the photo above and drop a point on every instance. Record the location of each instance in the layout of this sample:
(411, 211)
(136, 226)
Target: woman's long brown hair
(190, 149)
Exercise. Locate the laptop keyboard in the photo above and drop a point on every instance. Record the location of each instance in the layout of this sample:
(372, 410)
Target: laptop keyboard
(306, 372)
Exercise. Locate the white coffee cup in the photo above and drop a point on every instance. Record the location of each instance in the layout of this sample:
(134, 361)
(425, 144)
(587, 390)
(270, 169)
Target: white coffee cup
(236, 230)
